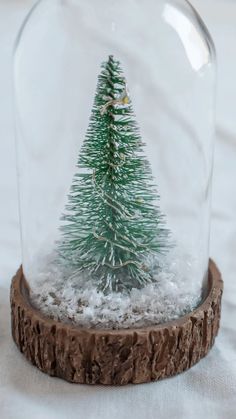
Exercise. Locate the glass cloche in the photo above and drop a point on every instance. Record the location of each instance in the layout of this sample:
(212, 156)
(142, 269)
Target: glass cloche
(114, 109)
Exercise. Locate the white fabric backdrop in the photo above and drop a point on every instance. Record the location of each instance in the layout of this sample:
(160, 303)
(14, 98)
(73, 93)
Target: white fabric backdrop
(209, 389)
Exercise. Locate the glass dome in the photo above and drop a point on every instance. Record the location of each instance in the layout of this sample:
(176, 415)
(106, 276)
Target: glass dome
(167, 61)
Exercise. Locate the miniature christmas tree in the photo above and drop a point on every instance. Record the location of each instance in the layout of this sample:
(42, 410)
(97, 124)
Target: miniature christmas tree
(113, 225)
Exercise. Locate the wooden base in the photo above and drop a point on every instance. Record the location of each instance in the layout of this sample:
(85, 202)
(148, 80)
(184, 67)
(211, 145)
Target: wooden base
(115, 357)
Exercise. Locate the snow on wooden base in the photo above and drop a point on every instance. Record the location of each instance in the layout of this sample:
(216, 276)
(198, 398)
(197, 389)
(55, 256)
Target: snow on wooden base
(115, 357)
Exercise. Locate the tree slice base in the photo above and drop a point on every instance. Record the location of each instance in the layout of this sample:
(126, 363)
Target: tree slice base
(115, 357)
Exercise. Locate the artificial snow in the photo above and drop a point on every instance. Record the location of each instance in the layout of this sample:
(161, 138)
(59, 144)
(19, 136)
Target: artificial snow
(76, 300)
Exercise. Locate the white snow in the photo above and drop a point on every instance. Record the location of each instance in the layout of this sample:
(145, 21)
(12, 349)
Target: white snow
(177, 291)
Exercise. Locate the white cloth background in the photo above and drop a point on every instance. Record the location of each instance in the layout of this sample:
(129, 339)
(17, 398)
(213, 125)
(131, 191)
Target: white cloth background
(209, 389)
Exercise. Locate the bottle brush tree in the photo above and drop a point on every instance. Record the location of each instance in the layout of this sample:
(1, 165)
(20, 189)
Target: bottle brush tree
(113, 226)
